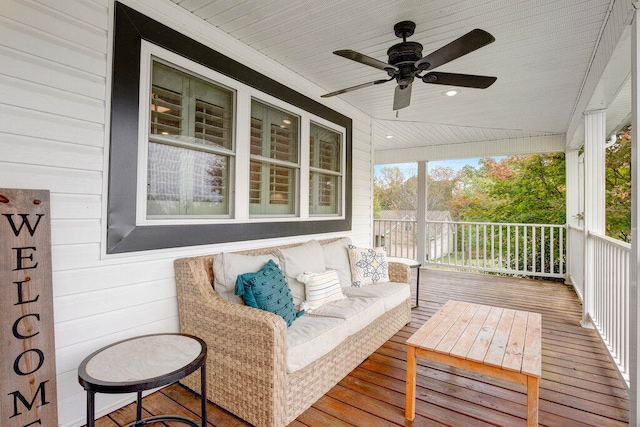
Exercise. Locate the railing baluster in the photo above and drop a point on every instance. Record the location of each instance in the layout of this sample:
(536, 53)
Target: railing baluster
(509, 257)
(525, 246)
(470, 245)
(533, 249)
(463, 245)
(484, 245)
(414, 234)
(562, 252)
(383, 238)
(516, 267)
(456, 233)
(493, 249)
(542, 254)
(499, 243)
(443, 244)
(477, 245)
(552, 248)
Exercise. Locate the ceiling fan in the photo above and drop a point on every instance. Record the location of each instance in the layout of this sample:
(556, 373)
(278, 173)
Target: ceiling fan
(406, 63)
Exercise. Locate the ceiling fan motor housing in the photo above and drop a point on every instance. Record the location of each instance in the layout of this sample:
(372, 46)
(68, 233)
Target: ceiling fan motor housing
(405, 52)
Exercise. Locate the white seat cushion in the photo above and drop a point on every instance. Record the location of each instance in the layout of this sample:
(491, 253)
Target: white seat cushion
(391, 293)
(311, 337)
(357, 311)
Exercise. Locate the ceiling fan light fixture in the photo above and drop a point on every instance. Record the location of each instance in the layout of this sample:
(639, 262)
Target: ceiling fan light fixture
(451, 92)
(389, 136)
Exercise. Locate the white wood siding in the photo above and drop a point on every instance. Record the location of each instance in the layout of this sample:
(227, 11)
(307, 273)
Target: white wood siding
(54, 68)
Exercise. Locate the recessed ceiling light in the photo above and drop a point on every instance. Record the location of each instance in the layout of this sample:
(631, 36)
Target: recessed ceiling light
(451, 92)
(389, 136)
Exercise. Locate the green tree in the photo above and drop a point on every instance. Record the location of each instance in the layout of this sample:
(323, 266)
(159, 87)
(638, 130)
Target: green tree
(618, 187)
(393, 191)
(518, 189)
(441, 184)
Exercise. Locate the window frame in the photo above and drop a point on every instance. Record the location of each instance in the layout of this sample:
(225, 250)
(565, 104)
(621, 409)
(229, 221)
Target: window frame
(123, 233)
(340, 174)
(266, 161)
(151, 53)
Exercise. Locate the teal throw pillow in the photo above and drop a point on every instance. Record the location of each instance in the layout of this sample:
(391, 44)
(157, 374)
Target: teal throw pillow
(267, 290)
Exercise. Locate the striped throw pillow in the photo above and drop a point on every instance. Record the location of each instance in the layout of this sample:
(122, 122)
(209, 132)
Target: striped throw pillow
(321, 288)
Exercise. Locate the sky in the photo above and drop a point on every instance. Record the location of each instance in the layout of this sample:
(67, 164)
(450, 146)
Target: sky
(410, 169)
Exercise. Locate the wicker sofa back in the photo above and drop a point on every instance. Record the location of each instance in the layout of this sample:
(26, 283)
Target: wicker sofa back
(246, 372)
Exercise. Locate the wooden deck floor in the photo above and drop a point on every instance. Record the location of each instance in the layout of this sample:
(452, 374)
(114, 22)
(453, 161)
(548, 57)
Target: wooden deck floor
(579, 386)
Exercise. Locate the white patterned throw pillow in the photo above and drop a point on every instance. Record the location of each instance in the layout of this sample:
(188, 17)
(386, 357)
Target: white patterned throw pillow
(368, 266)
(321, 288)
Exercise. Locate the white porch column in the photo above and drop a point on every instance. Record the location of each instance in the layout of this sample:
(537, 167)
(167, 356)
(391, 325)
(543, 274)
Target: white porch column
(594, 189)
(634, 262)
(575, 216)
(421, 214)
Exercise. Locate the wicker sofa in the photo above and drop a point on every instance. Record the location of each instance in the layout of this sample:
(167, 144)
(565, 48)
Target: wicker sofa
(247, 371)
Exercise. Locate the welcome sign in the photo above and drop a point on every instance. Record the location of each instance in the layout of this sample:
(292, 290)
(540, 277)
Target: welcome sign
(28, 394)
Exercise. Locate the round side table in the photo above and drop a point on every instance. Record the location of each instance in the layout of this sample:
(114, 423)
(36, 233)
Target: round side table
(412, 263)
(143, 363)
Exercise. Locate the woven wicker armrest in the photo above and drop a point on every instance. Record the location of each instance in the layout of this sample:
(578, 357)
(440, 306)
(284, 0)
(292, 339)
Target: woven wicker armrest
(246, 346)
(399, 272)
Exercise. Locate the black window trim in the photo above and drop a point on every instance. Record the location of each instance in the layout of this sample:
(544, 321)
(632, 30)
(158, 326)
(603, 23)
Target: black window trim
(123, 235)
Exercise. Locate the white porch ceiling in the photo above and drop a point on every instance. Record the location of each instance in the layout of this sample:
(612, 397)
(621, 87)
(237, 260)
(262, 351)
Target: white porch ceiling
(548, 57)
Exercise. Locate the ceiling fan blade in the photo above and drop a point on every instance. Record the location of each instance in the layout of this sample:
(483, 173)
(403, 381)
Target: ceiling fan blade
(356, 87)
(462, 80)
(473, 40)
(402, 97)
(364, 59)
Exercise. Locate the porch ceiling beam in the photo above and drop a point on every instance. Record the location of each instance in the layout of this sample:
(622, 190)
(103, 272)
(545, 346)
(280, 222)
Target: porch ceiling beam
(503, 147)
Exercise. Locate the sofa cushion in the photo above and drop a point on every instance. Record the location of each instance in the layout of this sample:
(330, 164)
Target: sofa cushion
(368, 266)
(391, 293)
(310, 338)
(357, 311)
(321, 288)
(226, 268)
(267, 290)
(336, 257)
(307, 257)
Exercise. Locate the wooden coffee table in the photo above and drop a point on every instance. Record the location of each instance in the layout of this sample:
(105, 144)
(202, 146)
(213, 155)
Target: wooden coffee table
(499, 342)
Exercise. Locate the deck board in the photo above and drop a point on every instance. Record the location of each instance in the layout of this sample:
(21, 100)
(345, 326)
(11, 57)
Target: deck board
(580, 386)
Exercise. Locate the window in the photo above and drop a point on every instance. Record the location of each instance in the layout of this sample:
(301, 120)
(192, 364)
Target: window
(190, 148)
(325, 171)
(181, 159)
(274, 166)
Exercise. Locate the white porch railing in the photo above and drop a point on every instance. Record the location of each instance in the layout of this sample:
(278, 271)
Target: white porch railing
(397, 236)
(610, 310)
(519, 249)
(538, 250)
